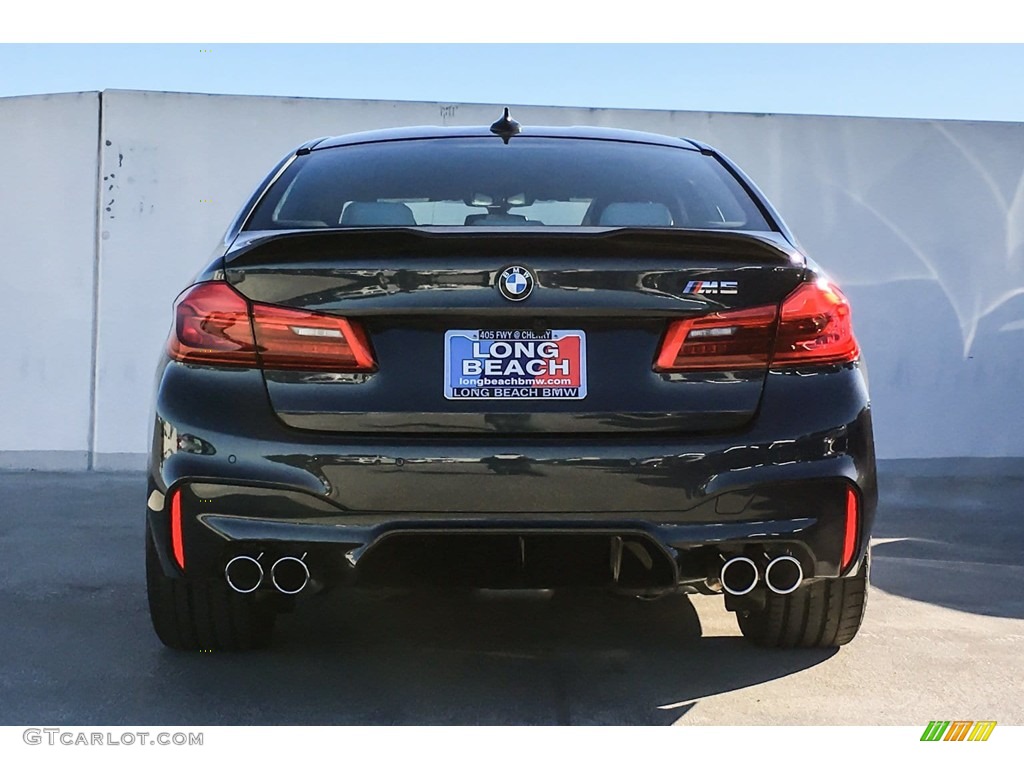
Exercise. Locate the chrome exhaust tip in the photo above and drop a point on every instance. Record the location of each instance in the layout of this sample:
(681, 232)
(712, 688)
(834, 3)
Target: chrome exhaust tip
(244, 574)
(783, 575)
(289, 575)
(738, 576)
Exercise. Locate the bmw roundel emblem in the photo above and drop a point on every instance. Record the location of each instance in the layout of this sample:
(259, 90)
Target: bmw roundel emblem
(516, 283)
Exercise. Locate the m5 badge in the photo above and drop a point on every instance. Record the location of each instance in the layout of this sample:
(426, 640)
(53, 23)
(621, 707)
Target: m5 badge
(707, 287)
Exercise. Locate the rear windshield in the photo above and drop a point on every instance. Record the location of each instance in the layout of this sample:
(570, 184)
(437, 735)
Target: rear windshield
(530, 182)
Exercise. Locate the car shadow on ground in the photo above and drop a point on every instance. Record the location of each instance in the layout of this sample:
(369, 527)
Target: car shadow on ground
(923, 570)
(954, 541)
(473, 658)
(79, 647)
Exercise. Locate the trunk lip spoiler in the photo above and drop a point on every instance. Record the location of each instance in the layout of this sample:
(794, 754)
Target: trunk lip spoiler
(774, 246)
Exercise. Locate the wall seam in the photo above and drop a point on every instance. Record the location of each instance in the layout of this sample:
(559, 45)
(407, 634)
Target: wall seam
(97, 248)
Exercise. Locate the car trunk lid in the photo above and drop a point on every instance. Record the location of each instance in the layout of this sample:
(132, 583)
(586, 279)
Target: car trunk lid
(428, 301)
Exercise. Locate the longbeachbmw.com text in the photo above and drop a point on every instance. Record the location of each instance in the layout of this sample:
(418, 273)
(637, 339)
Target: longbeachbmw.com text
(72, 738)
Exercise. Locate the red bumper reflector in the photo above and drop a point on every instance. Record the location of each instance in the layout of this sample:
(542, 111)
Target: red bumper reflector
(177, 544)
(850, 540)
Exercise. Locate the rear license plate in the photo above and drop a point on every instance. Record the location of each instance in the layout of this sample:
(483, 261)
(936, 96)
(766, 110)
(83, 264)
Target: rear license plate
(515, 365)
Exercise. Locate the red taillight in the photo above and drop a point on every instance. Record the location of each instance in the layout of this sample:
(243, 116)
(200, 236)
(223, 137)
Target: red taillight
(216, 325)
(211, 325)
(850, 538)
(719, 341)
(813, 327)
(290, 338)
(177, 543)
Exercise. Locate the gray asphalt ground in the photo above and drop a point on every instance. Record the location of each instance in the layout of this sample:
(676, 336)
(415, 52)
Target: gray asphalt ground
(943, 637)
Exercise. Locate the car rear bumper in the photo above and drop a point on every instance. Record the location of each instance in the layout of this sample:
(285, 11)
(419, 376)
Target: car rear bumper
(250, 485)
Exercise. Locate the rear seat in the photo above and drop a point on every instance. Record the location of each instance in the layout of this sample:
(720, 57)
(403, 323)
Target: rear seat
(635, 215)
(500, 220)
(358, 214)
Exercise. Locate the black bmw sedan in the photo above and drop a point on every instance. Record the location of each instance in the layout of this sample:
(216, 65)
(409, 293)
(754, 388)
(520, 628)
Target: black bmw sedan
(509, 357)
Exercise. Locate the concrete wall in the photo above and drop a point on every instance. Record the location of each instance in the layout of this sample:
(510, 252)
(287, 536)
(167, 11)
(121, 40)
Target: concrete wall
(921, 221)
(47, 256)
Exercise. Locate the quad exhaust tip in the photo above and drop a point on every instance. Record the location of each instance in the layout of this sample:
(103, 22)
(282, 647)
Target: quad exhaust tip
(738, 576)
(244, 574)
(783, 575)
(290, 575)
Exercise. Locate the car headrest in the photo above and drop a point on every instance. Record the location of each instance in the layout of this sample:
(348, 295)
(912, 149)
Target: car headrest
(377, 215)
(498, 220)
(635, 215)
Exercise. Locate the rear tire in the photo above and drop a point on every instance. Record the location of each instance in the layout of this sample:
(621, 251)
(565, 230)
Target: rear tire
(821, 614)
(203, 615)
